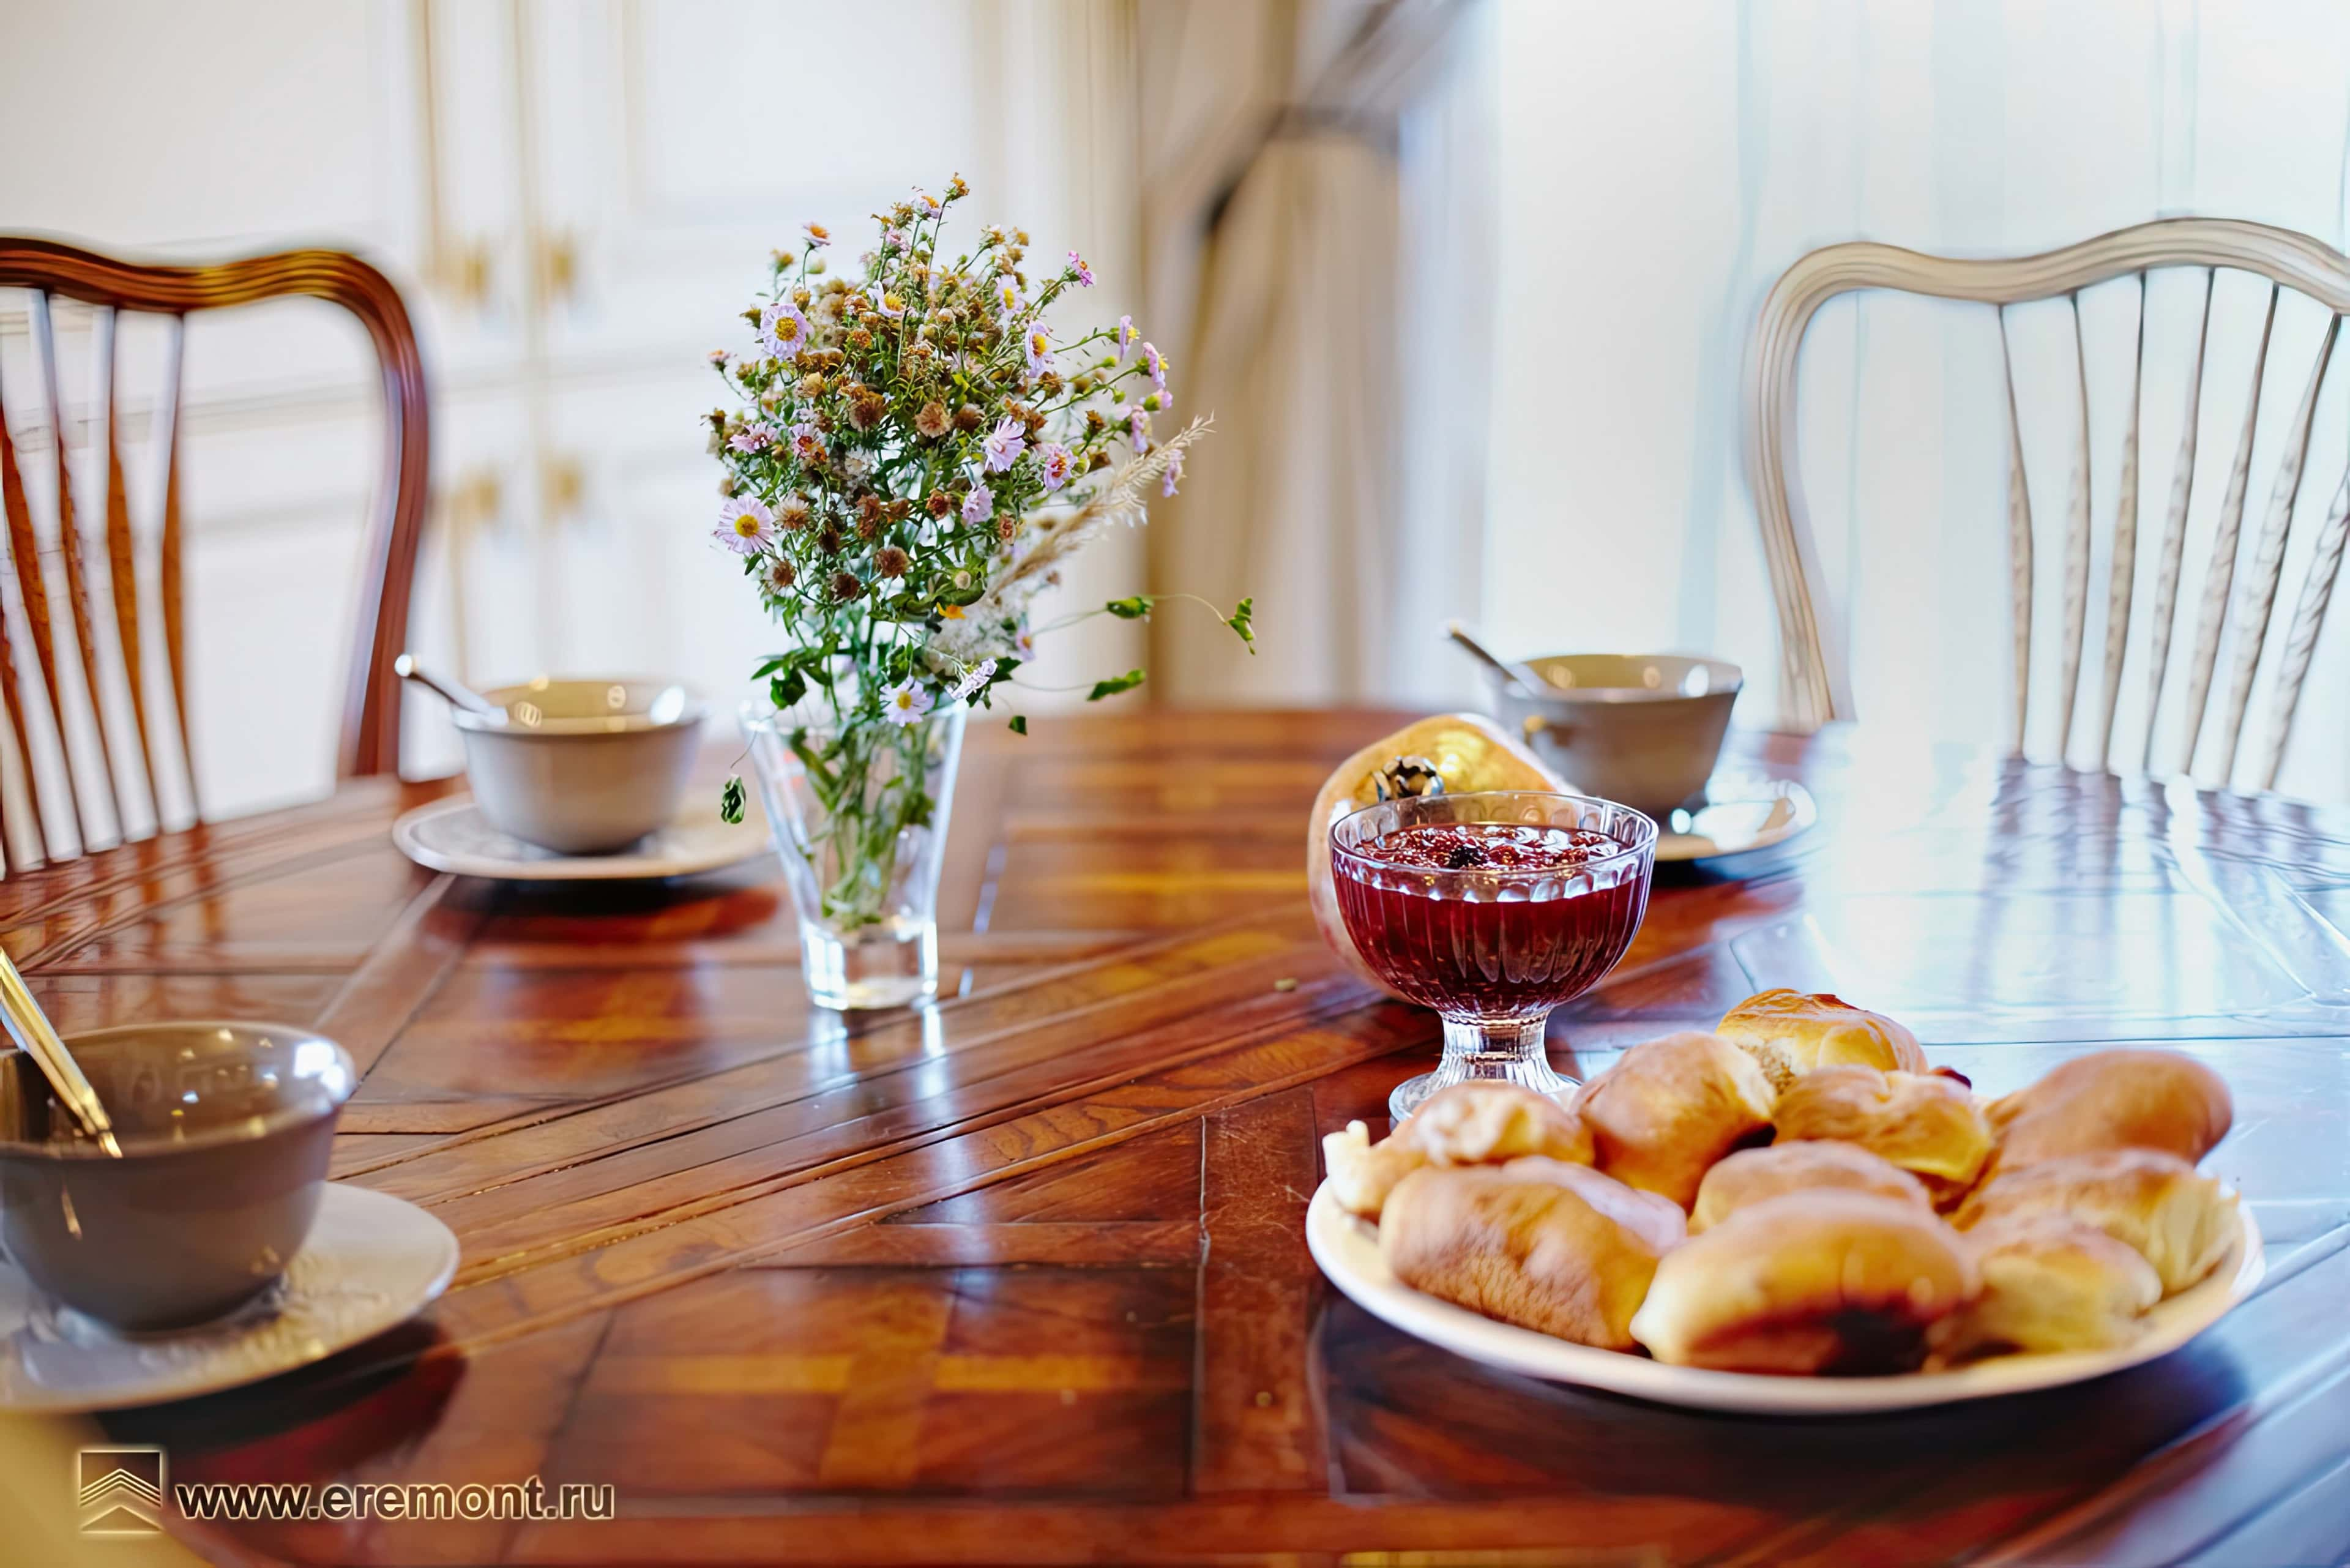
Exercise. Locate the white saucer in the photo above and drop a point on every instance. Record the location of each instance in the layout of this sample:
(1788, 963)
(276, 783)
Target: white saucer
(371, 1260)
(453, 836)
(1348, 1251)
(1741, 813)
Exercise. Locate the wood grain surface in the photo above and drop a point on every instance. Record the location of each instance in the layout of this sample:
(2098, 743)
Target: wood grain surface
(1022, 1279)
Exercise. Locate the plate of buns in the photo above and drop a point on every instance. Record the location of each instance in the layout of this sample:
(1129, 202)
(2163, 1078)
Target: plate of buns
(1795, 1213)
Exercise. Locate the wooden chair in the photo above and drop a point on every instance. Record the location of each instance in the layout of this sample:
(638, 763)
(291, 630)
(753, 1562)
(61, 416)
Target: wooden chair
(1815, 687)
(100, 558)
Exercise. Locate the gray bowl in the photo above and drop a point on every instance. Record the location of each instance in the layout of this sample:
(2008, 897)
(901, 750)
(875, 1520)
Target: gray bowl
(582, 767)
(1644, 728)
(225, 1130)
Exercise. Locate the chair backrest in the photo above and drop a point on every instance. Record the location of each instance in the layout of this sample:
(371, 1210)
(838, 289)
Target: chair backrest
(2237, 600)
(100, 554)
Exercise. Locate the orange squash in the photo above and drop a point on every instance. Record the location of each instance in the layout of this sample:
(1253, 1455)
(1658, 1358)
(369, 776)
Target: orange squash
(1470, 752)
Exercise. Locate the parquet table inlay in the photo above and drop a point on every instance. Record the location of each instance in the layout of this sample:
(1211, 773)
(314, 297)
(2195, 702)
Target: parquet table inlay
(1022, 1279)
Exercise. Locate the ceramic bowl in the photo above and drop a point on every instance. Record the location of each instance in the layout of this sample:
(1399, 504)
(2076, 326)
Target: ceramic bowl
(1644, 728)
(581, 767)
(225, 1130)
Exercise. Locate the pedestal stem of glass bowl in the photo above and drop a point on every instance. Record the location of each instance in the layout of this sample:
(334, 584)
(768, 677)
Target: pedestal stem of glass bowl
(1511, 1051)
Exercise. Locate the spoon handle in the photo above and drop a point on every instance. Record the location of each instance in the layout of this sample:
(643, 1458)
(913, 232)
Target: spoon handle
(1522, 676)
(448, 691)
(30, 1027)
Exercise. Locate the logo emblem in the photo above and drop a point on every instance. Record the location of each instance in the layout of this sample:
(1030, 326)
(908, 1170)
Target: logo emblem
(120, 1492)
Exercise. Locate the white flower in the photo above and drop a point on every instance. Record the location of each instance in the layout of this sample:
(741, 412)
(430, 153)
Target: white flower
(857, 465)
(977, 675)
(906, 703)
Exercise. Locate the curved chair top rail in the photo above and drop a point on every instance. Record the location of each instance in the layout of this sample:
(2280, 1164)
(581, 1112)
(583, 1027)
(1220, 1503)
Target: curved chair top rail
(1816, 686)
(369, 740)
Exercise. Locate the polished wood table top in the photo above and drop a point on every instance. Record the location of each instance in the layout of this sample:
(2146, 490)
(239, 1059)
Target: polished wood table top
(1022, 1278)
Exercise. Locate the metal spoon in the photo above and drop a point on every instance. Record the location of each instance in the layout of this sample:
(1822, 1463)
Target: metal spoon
(30, 1028)
(1522, 676)
(448, 691)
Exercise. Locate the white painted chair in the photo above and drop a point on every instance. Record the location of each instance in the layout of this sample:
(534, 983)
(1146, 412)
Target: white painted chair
(1815, 685)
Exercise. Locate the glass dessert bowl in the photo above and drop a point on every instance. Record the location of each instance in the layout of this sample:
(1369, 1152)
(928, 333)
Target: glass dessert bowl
(1493, 908)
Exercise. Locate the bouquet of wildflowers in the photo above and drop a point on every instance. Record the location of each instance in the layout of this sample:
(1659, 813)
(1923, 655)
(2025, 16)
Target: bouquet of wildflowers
(910, 455)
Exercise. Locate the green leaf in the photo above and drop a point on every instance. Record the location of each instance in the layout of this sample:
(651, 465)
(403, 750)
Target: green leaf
(1116, 685)
(951, 595)
(787, 688)
(821, 779)
(729, 800)
(1239, 621)
(1019, 725)
(1138, 608)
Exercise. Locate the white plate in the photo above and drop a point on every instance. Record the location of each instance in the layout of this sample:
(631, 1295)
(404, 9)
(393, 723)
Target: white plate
(371, 1260)
(1743, 813)
(453, 836)
(1348, 1251)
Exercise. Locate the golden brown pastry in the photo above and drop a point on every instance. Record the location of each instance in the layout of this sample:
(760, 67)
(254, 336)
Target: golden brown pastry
(2114, 1099)
(1477, 1123)
(1755, 1176)
(2049, 1282)
(1926, 1124)
(1837, 1282)
(2180, 1222)
(1791, 1034)
(1538, 1243)
(1668, 1109)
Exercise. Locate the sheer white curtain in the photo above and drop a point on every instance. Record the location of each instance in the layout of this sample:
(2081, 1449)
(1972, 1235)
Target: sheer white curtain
(1316, 234)
(1661, 165)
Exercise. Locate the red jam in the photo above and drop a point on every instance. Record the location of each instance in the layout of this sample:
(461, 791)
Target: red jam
(1497, 946)
(1490, 847)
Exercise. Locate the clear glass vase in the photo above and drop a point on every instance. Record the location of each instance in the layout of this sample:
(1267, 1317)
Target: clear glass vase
(860, 815)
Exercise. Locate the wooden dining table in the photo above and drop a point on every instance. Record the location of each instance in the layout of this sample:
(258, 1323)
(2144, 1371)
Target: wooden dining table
(1022, 1278)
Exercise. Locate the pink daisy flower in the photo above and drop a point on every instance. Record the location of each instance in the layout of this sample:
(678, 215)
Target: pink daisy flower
(752, 438)
(905, 703)
(1174, 471)
(1127, 336)
(1138, 427)
(1055, 462)
(783, 330)
(1039, 343)
(1155, 363)
(979, 505)
(1004, 444)
(745, 525)
(1083, 273)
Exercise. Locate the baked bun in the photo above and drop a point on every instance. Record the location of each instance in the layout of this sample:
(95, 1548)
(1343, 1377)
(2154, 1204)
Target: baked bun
(1755, 1176)
(1668, 1109)
(2180, 1222)
(1837, 1282)
(1791, 1034)
(1538, 1243)
(2049, 1282)
(1476, 1123)
(2114, 1099)
(1927, 1125)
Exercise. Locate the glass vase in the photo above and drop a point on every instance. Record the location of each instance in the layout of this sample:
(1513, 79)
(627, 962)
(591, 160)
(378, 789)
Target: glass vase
(860, 815)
